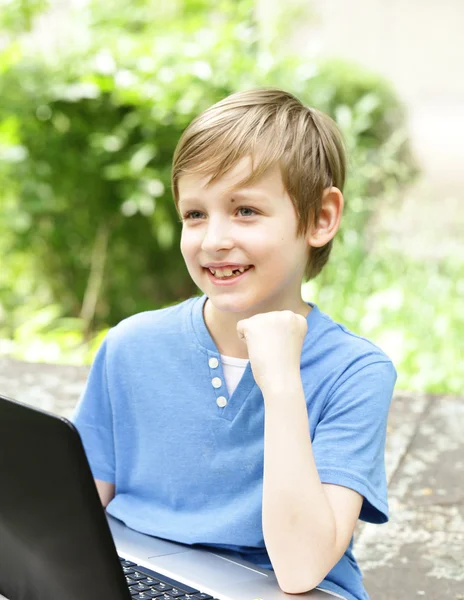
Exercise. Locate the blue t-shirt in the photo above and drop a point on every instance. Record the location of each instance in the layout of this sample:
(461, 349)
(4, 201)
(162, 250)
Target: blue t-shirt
(189, 470)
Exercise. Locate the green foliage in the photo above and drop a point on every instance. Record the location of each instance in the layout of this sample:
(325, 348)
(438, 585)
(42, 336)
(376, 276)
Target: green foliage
(410, 309)
(17, 16)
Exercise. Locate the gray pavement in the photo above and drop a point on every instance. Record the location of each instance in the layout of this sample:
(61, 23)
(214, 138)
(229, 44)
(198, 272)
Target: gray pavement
(420, 552)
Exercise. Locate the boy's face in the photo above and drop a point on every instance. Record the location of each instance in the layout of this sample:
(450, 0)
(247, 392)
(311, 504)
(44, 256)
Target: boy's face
(254, 229)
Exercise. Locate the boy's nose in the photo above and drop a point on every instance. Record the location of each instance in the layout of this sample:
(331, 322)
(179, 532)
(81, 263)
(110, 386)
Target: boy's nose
(217, 237)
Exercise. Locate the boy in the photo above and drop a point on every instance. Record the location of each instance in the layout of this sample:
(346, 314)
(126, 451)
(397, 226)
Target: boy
(247, 419)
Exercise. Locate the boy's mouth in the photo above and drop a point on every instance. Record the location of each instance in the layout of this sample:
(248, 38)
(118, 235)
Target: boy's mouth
(228, 272)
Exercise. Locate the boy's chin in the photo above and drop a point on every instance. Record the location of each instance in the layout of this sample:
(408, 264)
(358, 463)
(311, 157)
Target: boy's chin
(232, 306)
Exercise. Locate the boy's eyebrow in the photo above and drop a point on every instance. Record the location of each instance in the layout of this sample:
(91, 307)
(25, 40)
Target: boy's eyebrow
(187, 200)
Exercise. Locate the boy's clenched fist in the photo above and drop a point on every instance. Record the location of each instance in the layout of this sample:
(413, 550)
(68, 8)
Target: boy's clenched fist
(274, 341)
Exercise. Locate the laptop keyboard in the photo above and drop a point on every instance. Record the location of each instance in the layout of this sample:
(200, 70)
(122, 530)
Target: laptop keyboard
(144, 583)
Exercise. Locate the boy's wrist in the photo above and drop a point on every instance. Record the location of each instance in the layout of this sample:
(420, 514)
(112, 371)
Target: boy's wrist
(282, 389)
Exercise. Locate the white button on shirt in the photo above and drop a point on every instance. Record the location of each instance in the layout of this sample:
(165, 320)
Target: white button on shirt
(216, 382)
(213, 363)
(221, 401)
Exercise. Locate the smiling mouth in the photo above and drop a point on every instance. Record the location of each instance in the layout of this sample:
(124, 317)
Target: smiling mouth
(228, 273)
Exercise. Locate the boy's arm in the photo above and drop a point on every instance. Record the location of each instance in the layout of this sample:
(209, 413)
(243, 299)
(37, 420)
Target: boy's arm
(307, 525)
(105, 491)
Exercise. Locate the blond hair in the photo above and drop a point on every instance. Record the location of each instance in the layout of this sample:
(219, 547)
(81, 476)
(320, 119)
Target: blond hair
(273, 127)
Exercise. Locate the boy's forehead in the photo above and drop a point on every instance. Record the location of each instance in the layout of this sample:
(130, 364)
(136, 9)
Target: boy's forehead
(193, 183)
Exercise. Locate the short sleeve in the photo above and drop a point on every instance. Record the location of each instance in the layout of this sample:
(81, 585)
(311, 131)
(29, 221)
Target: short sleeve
(349, 440)
(94, 422)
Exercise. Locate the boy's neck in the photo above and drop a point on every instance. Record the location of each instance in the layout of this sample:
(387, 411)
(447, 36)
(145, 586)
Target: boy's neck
(222, 327)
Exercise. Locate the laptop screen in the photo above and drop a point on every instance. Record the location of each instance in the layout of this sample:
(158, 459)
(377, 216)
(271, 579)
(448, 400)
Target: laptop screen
(55, 542)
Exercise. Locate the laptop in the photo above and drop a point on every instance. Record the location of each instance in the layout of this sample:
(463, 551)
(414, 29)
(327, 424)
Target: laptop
(58, 543)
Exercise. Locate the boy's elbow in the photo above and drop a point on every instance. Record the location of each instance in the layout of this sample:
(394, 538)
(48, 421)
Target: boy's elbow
(303, 574)
(294, 584)
(301, 579)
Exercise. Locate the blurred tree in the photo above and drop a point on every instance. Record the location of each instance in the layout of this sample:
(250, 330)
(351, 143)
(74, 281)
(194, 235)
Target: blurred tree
(87, 136)
(18, 16)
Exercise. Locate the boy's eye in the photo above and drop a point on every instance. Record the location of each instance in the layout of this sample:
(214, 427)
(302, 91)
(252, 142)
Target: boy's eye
(246, 212)
(193, 214)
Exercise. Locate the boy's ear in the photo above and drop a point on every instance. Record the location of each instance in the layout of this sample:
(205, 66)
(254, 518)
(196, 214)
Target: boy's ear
(320, 233)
